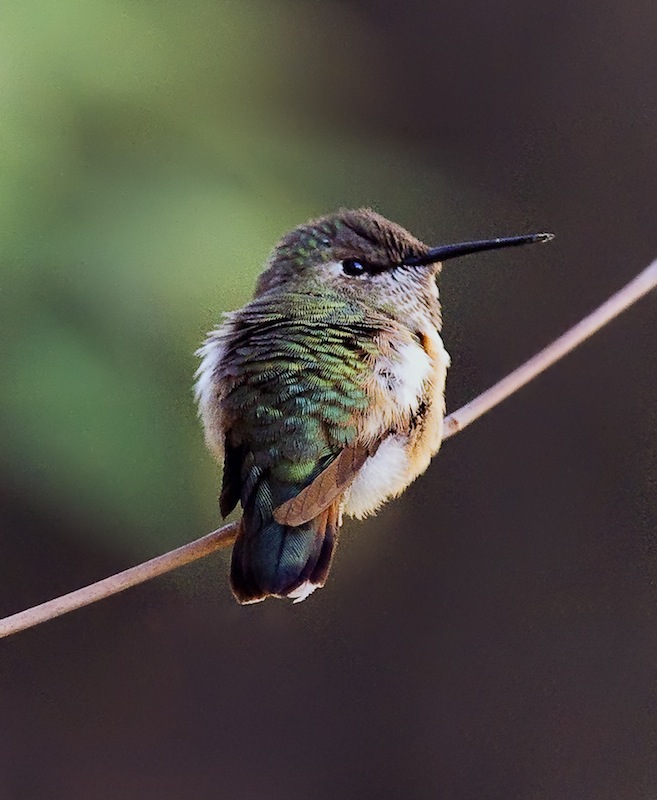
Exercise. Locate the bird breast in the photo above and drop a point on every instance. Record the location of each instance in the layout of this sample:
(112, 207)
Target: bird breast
(407, 405)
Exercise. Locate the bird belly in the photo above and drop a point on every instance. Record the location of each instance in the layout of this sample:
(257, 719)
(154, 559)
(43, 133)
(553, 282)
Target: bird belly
(384, 475)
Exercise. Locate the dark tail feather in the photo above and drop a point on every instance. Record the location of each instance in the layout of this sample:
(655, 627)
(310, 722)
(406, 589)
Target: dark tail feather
(283, 561)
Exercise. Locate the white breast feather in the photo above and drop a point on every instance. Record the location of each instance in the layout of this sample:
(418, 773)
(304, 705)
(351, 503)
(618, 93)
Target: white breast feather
(381, 476)
(410, 371)
(397, 383)
(403, 379)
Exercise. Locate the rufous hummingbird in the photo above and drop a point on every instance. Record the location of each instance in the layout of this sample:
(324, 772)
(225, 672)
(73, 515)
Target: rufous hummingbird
(325, 395)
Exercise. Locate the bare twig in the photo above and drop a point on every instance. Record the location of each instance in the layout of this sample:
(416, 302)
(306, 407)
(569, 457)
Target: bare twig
(635, 289)
(224, 537)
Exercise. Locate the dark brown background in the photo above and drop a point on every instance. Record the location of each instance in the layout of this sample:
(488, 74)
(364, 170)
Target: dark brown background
(490, 635)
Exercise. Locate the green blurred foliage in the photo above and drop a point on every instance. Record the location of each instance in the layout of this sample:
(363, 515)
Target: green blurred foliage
(148, 164)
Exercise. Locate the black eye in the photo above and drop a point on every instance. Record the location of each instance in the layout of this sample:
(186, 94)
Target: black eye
(353, 267)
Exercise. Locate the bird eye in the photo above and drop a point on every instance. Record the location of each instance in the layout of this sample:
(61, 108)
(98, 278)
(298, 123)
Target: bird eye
(353, 267)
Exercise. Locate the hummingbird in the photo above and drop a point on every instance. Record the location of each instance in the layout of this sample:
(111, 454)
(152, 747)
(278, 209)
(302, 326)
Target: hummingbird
(325, 394)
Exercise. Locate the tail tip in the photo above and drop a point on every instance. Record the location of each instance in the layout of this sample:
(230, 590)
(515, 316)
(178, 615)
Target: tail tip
(302, 591)
(297, 595)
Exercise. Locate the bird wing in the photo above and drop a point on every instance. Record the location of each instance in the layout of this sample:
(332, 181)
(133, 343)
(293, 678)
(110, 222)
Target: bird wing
(330, 484)
(293, 375)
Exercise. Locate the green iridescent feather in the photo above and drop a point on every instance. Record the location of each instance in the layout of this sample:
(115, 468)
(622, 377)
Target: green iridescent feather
(296, 366)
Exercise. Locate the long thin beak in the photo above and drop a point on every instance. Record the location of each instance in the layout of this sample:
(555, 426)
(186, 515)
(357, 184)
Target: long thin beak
(465, 248)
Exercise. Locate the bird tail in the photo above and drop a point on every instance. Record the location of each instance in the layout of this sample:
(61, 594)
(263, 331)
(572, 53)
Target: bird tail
(282, 560)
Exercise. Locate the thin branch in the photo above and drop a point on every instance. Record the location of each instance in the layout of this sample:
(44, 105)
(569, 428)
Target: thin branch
(455, 422)
(630, 293)
(223, 537)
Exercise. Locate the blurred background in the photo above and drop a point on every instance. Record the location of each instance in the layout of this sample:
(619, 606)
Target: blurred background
(492, 634)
